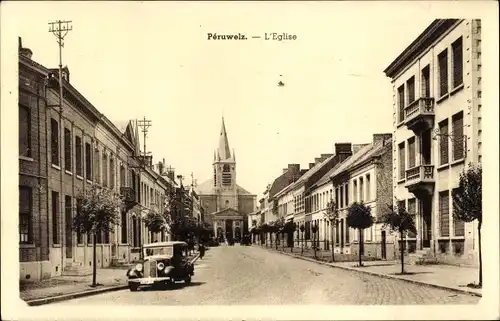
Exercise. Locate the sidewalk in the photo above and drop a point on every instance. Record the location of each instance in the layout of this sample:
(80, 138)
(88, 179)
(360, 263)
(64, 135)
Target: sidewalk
(441, 276)
(62, 288)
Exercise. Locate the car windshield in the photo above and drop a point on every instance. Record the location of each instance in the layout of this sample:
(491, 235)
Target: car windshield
(169, 251)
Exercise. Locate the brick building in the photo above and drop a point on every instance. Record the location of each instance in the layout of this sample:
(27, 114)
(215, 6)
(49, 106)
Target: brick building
(437, 132)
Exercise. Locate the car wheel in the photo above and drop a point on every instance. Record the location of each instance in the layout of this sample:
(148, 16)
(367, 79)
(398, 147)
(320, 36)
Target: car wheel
(133, 287)
(188, 280)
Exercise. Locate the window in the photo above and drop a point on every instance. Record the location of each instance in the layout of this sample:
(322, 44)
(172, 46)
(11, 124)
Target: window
(97, 167)
(341, 196)
(355, 191)
(122, 176)
(443, 72)
(55, 217)
(444, 213)
(347, 194)
(24, 131)
(226, 175)
(215, 177)
(88, 161)
(68, 214)
(99, 237)
(104, 170)
(443, 144)
(410, 88)
(426, 84)
(79, 236)
(361, 190)
(411, 152)
(458, 136)
(25, 216)
(457, 60)
(105, 237)
(78, 155)
(368, 196)
(458, 226)
(67, 149)
(112, 173)
(402, 168)
(337, 197)
(54, 139)
(347, 239)
(412, 210)
(401, 103)
(337, 234)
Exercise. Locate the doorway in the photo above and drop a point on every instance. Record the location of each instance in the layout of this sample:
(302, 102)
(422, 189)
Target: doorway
(69, 229)
(229, 230)
(426, 214)
(383, 246)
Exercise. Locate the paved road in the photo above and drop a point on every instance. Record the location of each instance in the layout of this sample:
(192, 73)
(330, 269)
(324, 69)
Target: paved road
(252, 275)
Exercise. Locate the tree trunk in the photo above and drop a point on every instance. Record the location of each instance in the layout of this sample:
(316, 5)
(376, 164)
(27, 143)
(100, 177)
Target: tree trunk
(333, 247)
(480, 255)
(94, 259)
(402, 253)
(360, 245)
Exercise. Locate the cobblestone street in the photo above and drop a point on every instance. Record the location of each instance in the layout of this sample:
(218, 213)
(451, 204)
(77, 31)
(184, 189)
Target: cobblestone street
(251, 275)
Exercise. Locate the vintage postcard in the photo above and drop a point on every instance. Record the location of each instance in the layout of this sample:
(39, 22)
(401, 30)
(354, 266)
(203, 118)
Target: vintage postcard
(249, 160)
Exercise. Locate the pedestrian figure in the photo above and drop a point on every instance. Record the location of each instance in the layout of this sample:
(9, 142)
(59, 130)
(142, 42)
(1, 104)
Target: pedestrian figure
(201, 249)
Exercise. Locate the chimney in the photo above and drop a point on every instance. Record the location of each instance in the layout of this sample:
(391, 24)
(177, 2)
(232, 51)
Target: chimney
(303, 171)
(294, 168)
(26, 52)
(317, 160)
(343, 148)
(65, 73)
(381, 138)
(160, 168)
(311, 165)
(285, 170)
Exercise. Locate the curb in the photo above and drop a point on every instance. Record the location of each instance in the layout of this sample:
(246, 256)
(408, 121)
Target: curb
(65, 297)
(463, 291)
(76, 295)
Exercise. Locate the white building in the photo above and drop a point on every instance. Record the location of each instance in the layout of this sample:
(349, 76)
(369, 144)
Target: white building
(437, 132)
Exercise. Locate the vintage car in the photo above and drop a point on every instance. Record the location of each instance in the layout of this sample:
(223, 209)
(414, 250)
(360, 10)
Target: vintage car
(164, 263)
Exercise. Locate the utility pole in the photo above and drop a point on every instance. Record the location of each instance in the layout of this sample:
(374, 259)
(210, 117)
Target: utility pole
(60, 29)
(144, 124)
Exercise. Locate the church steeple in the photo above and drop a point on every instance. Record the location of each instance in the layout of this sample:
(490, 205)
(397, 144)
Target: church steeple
(223, 151)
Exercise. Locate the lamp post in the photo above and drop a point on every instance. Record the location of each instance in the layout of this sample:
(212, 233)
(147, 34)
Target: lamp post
(302, 228)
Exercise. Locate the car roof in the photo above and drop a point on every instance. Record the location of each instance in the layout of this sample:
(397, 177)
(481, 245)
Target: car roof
(161, 244)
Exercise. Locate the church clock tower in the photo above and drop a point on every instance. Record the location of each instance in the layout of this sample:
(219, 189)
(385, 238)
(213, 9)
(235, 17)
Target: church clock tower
(224, 168)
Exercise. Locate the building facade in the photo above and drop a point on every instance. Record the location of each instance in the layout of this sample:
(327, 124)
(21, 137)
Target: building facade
(437, 132)
(226, 204)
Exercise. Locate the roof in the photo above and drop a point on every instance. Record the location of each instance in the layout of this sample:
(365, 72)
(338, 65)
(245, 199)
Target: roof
(121, 125)
(423, 41)
(283, 181)
(223, 152)
(160, 244)
(207, 188)
(306, 175)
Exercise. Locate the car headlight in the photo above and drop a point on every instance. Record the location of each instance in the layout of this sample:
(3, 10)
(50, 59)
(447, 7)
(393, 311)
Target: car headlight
(138, 267)
(160, 266)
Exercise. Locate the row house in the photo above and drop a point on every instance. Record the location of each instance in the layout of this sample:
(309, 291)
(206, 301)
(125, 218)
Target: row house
(437, 133)
(283, 204)
(364, 177)
(63, 152)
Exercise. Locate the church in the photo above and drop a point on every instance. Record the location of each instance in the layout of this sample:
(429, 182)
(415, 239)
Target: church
(226, 204)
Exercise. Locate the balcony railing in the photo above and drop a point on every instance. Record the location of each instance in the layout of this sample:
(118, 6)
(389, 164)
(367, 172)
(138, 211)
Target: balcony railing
(421, 109)
(129, 195)
(421, 174)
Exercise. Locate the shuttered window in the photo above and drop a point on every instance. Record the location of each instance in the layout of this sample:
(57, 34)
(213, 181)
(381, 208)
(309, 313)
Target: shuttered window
(402, 164)
(458, 136)
(411, 152)
(401, 103)
(443, 144)
(457, 60)
(444, 213)
(443, 72)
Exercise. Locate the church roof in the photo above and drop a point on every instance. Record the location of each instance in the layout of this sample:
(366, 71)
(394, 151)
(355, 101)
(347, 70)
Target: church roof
(223, 152)
(207, 188)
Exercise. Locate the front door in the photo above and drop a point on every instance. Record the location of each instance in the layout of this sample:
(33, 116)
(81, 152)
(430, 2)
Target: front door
(426, 212)
(229, 230)
(382, 243)
(69, 230)
(237, 234)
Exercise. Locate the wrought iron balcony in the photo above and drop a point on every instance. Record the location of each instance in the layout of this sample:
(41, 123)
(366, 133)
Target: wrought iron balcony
(129, 196)
(419, 115)
(420, 179)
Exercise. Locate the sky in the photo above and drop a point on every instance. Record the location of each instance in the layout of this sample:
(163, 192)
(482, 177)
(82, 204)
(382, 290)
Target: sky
(133, 60)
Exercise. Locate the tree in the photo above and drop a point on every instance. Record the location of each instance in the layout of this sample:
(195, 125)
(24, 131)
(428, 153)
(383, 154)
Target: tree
(359, 217)
(314, 230)
(98, 212)
(398, 220)
(332, 215)
(154, 221)
(467, 203)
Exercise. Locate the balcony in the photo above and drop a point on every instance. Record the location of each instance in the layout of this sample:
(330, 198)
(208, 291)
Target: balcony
(419, 115)
(129, 196)
(420, 180)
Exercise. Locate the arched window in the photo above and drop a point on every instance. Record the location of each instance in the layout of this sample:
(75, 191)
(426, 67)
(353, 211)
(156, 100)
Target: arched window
(226, 175)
